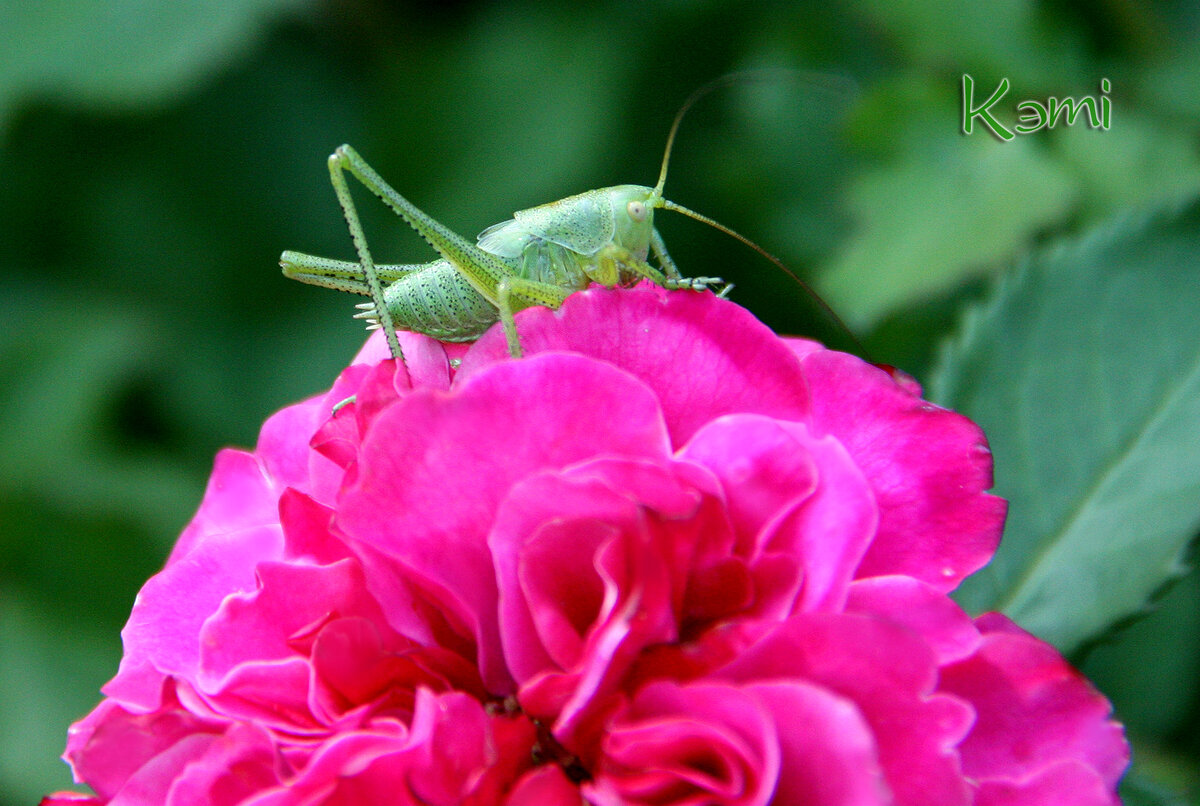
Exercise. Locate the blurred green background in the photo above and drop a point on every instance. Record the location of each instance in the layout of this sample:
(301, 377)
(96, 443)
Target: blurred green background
(156, 157)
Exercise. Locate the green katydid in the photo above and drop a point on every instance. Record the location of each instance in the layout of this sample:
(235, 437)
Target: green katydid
(539, 257)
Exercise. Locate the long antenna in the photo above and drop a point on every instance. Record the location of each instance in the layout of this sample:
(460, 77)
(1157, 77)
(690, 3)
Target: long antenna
(827, 81)
(824, 306)
(717, 83)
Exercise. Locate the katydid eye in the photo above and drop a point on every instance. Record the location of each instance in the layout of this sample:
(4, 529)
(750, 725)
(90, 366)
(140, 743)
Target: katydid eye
(636, 210)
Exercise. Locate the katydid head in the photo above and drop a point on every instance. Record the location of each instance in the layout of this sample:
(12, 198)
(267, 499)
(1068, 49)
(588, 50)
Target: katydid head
(633, 216)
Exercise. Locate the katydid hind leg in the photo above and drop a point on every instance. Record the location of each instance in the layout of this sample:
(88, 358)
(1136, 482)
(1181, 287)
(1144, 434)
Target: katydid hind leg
(370, 277)
(340, 275)
(483, 270)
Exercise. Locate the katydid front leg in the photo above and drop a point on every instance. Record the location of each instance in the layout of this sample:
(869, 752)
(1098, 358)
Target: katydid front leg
(530, 292)
(614, 255)
(659, 247)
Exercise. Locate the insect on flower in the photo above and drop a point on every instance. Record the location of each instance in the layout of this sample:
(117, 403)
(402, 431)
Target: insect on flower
(538, 257)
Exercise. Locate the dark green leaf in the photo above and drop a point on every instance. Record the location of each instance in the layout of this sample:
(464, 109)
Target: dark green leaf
(133, 51)
(1158, 779)
(1151, 670)
(937, 216)
(1084, 370)
(51, 687)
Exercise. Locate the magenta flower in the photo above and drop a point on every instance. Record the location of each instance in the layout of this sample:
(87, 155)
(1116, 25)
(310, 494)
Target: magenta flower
(667, 558)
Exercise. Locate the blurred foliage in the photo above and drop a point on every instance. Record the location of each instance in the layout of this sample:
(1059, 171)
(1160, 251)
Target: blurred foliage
(156, 158)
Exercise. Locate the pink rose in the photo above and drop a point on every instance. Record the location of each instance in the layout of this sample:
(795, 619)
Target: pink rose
(668, 557)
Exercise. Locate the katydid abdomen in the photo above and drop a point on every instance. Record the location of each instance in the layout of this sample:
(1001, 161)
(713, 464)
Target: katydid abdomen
(440, 302)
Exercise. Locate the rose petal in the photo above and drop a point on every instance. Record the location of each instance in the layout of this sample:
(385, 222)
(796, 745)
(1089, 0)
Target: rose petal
(544, 786)
(239, 763)
(426, 359)
(116, 750)
(929, 468)
(290, 599)
(70, 799)
(1066, 783)
(763, 468)
(1033, 708)
(944, 625)
(239, 496)
(428, 484)
(702, 356)
(162, 635)
(796, 495)
(545, 542)
(454, 753)
(691, 744)
(828, 752)
(889, 673)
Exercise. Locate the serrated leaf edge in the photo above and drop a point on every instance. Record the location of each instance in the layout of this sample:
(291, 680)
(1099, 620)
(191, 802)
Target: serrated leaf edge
(977, 314)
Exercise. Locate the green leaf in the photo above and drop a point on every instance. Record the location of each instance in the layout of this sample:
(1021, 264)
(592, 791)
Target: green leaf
(1138, 161)
(1010, 38)
(1138, 792)
(121, 51)
(1151, 670)
(60, 401)
(1158, 778)
(78, 657)
(1084, 370)
(938, 216)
